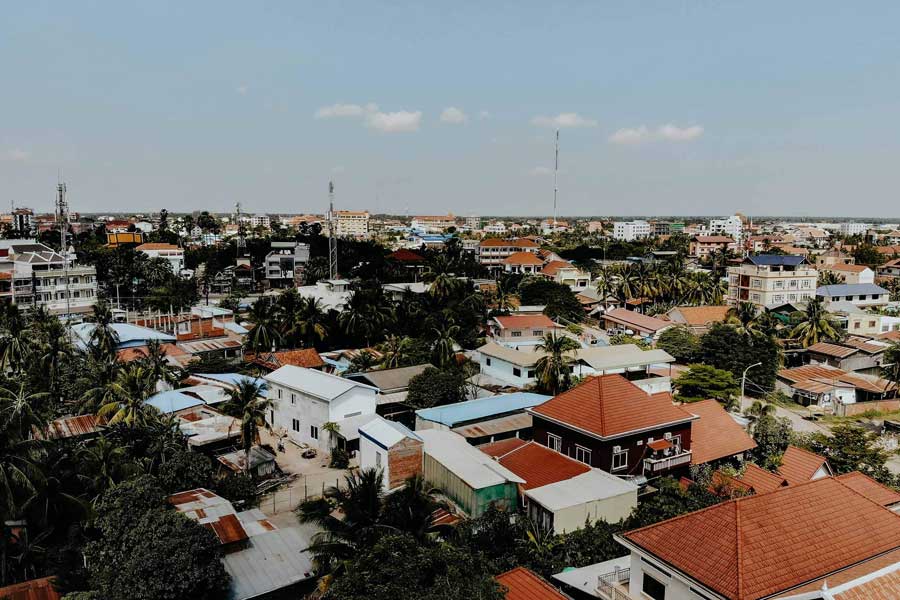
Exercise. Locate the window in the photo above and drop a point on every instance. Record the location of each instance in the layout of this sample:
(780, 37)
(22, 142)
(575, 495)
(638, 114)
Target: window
(516, 334)
(778, 297)
(271, 417)
(871, 323)
(487, 362)
(517, 372)
(619, 460)
(293, 398)
(530, 374)
(537, 332)
(314, 432)
(754, 297)
(582, 454)
(554, 442)
(756, 283)
(279, 393)
(793, 283)
(856, 325)
(792, 297)
(295, 424)
(378, 459)
(779, 284)
(806, 283)
(653, 588)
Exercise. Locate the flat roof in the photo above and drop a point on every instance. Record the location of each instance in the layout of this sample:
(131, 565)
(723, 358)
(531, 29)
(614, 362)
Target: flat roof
(481, 408)
(587, 487)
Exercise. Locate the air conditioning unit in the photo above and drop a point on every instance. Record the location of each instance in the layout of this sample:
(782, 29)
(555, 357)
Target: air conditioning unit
(668, 436)
(617, 449)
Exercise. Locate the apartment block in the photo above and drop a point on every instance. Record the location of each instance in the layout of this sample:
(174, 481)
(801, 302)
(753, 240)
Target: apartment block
(629, 231)
(767, 280)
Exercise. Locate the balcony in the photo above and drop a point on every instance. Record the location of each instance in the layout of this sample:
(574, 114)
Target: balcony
(614, 586)
(656, 466)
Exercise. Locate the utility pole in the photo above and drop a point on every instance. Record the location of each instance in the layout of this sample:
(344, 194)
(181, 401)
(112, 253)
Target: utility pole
(332, 234)
(62, 216)
(555, 179)
(241, 242)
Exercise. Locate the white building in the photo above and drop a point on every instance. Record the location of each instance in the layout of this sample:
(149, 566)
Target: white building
(32, 274)
(853, 228)
(352, 223)
(305, 399)
(264, 221)
(629, 231)
(392, 448)
(433, 223)
(496, 228)
(772, 280)
(731, 226)
(473, 223)
(171, 253)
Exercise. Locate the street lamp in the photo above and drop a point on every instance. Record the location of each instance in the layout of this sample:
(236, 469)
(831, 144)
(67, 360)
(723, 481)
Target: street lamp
(744, 378)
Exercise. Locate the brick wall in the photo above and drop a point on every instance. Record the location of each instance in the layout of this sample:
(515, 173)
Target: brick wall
(851, 410)
(404, 461)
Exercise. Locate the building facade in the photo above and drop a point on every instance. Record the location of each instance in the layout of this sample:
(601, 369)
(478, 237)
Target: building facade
(771, 280)
(629, 231)
(352, 223)
(33, 275)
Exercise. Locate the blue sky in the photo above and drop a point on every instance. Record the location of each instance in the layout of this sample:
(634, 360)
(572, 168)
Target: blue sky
(669, 107)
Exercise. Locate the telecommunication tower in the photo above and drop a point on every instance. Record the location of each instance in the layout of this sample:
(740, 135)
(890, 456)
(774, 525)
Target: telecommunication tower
(241, 239)
(62, 219)
(332, 234)
(555, 175)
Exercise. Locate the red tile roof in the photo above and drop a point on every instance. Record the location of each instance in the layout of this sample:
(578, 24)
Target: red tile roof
(630, 318)
(847, 268)
(760, 545)
(610, 405)
(526, 322)
(522, 258)
(799, 465)
(715, 435)
(871, 489)
(713, 239)
(303, 357)
(517, 243)
(35, 589)
(404, 255)
(760, 480)
(538, 465)
(501, 447)
(553, 267)
(701, 315)
(157, 246)
(522, 584)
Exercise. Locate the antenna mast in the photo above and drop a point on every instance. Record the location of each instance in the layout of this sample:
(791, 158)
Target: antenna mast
(62, 216)
(241, 241)
(332, 234)
(555, 175)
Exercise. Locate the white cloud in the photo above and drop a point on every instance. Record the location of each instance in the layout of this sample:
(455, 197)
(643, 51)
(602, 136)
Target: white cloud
(17, 155)
(541, 171)
(394, 122)
(242, 90)
(484, 114)
(668, 132)
(564, 120)
(453, 115)
(340, 110)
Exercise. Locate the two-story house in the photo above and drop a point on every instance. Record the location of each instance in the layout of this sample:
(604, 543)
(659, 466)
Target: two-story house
(611, 424)
(304, 400)
(493, 251)
(863, 295)
(702, 246)
(516, 329)
(285, 263)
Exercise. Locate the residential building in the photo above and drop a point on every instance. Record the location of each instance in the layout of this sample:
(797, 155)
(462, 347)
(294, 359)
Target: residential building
(469, 477)
(770, 280)
(285, 264)
(495, 228)
(392, 385)
(32, 274)
(609, 423)
(854, 354)
(114, 239)
(513, 330)
(635, 322)
(307, 358)
(305, 399)
(820, 539)
(169, 252)
(852, 228)
(851, 273)
(393, 449)
(484, 420)
(835, 256)
(40, 589)
(716, 435)
(523, 263)
(890, 269)
(855, 320)
(831, 388)
(863, 295)
(522, 584)
(473, 223)
(352, 223)
(23, 221)
(698, 318)
(433, 223)
(732, 227)
(561, 493)
(702, 246)
(493, 251)
(264, 221)
(566, 273)
(629, 231)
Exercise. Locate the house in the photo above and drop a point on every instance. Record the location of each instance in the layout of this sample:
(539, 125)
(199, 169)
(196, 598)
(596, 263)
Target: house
(37, 589)
(566, 273)
(284, 264)
(863, 295)
(609, 423)
(522, 263)
(169, 252)
(483, 419)
(829, 387)
(715, 435)
(392, 385)
(469, 477)
(391, 447)
(493, 251)
(851, 273)
(306, 399)
(262, 462)
(79, 426)
(855, 320)
(702, 246)
(523, 584)
(890, 269)
(261, 557)
(207, 430)
(854, 354)
(514, 329)
(697, 318)
(770, 279)
(637, 323)
(835, 256)
(307, 358)
(559, 492)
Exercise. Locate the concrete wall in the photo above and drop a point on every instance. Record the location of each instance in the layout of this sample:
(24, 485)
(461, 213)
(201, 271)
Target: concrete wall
(676, 587)
(850, 410)
(610, 510)
(311, 412)
(503, 370)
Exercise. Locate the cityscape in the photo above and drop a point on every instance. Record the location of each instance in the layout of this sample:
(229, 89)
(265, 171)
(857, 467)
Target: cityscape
(531, 351)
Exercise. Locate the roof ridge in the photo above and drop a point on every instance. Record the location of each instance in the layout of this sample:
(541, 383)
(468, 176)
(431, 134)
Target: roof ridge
(737, 550)
(720, 505)
(516, 449)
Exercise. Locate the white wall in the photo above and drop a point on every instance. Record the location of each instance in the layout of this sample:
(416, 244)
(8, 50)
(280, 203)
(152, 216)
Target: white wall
(610, 510)
(314, 412)
(369, 454)
(676, 587)
(503, 370)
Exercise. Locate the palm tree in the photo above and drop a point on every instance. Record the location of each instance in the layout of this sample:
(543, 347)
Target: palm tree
(157, 365)
(104, 464)
(18, 448)
(128, 394)
(312, 321)
(554, 368)
(830, 278)
(410, 508)
(606, 284)
(246, 403)
(19, 414)
(97, 381)
(264, 335)
(13, 340)
(104, 340)
(395, 351)
(443, 282)
(56, 347)
(743, 315)
(815, 324)
(444, 348)
(363, 362)
(365, 314)
(333, 429)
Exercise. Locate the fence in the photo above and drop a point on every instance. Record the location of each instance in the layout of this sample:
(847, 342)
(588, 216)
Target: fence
(608, 585)
(857, 408)
(301, 489)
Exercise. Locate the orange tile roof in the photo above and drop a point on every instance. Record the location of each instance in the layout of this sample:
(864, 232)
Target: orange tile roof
(760, 480)
(525, 243)
(882, 587)
(799, 465)
(35, 589)
(517, 243)
(522, 258)
(522, 584)
(715, 435)
(157, 246)
(303, 357)
(610, 405)
(538, 465)
(501, 447)
(525, 321)
(847, 268)
(756, 546)
(871, 489)
(635, 319)
(139, 352)
(713, 239)
(702, 315)
(553, 267)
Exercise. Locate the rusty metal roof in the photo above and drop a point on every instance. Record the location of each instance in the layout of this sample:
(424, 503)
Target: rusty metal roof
(67, 427)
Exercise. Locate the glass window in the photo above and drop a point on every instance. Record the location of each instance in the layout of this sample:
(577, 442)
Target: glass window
(314, 432)
(295, 424)
(378, 459)
(279, 393)
(582, 454)
(620, 460)
(487, 361)
(530, 374)
(653, 588)
(517, 372)
(537, 332)
(293, 398)
(554, 442)
(516, 334)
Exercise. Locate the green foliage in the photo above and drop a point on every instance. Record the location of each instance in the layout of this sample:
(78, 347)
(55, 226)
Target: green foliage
(554, 368)
(398, 568)
(239, 489)
(670, 501)
(558, 299)
(891, 364)
(772, 435)
(724, 347)
(701, 382)
(185, 470)
(851, 448)
(433, 387)
(623, 339)
(339, 459)
(681, 343)
(867, 254)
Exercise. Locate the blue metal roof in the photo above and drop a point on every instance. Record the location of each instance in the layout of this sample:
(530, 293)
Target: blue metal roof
(130, 336)
(173, 401)
(850, 289)
(770, 260)
(482, 408)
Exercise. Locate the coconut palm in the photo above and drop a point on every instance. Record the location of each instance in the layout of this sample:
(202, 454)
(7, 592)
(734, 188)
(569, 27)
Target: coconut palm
(311, 327)
(97, 380)
(54, 349)
(363, 362)
(13, 340)
(104, 464)
(365, 314)
(744, 316)
(128, 394)
(103, 340)
(830, 278)
(246, 402)
(157, 366)
(264, 335)
(395, 351)
(815, 324)
(554, 368)
(444, 346)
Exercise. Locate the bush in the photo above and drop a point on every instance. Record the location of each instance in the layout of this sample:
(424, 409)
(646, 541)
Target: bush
(185, 470)
(681, 343)
(239, 489)
(433, 387)
(339, 459)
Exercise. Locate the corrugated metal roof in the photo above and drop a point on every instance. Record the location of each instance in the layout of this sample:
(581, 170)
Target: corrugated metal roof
(592, 485)
(316, 383)
(389, 380)
(129, 335)
(482, 408)
(475, 468)
(173, 401)
(35, 589)
(850, 289)
(605, 358)
(496, 426)
(387, 433)
(67, 427)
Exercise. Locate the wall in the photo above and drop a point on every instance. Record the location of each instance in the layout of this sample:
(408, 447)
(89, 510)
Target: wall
(404, 460)
(676, 588)
(308, 410)
(502, 370)
(610, 510)
(850, 410)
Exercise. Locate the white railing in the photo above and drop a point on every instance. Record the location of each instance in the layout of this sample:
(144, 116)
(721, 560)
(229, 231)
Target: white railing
(655, 465)
(609, 585)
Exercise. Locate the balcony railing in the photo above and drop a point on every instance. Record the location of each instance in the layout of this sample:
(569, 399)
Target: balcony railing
(657, 465)
(610, 585)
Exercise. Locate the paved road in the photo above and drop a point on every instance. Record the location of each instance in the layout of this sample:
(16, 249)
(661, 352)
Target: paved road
(798, 423)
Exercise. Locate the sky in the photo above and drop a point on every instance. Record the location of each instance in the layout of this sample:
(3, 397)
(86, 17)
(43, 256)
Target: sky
(702, 107)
